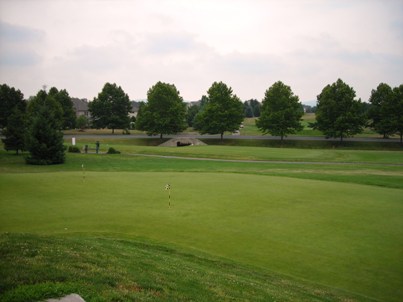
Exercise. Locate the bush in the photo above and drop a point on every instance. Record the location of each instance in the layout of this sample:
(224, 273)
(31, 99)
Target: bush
(112, 151)
(74, 149)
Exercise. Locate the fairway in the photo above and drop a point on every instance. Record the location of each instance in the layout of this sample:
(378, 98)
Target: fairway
(342, 235)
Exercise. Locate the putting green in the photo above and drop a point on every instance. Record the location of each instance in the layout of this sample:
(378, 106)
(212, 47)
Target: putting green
(342, 235)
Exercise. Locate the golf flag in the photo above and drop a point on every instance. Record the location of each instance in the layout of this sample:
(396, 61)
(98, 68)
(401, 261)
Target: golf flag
(168, 188)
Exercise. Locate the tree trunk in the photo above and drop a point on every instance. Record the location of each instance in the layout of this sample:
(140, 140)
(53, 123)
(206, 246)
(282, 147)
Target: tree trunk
(222, 135)
(282, 137)
(161, 136)
(113, 130)
(341, 137)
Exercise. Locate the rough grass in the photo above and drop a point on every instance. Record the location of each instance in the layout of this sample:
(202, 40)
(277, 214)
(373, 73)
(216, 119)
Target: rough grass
(106, 269)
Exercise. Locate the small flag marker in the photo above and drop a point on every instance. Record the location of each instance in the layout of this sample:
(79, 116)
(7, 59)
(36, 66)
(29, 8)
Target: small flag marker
(168, 188)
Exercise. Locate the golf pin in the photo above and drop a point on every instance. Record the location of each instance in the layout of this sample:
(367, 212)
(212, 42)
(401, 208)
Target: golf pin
(168, 188)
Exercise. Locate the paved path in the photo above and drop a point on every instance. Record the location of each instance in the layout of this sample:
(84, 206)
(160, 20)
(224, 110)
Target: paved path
(257, 137)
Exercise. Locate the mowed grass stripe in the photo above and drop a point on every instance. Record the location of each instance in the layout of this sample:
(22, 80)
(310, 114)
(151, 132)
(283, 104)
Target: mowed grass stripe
(342, 235)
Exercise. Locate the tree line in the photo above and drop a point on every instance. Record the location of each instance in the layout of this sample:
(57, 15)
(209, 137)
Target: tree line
(36, 124)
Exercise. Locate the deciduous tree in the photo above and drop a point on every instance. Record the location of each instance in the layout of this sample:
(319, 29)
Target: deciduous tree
(64, 99)
(164, 112)
(398, 113)
(9, 99)
(338, 113)
(281, 111)
(382, 110)
(14, 133)
(111, 108)
(222, 112)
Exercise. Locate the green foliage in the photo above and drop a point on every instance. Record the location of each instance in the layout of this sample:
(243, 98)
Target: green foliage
(164, 112)
(191, 113)
(252, 108)
(44, 140)
(281, 111)
(112, 150)
(398, 113)
(43, 99)
(382, 110)
(15, 131)
(223, 111)
(63, 98)
(74, 149)
(82, 122)
(111, 108)
(9, 99)
(338, 114)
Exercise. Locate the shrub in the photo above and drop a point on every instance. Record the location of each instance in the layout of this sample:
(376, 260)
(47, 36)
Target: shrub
(74, 149)
(112, 151)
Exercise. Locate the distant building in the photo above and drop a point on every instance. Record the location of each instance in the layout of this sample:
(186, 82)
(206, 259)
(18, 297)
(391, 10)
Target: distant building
(81, 107)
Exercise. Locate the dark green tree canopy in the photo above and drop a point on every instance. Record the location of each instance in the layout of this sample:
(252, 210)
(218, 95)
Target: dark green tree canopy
(111, 108)
(64, 99)
(9, 99)
(41, 99)
(164, 112)
(223, 111)
(383, 108)
(281, 111)
(398, 113)
(44, 139)
(15, 131)
(338, 113)
(252, 108)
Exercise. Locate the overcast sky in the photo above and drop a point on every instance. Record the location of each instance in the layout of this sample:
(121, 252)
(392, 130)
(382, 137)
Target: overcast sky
(79, 45)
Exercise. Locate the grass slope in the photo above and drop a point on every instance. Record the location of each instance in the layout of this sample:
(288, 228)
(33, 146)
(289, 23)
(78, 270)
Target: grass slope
(338, 234)
(34, 268)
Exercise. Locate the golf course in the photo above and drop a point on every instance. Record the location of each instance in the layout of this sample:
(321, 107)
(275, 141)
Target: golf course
(237, 224)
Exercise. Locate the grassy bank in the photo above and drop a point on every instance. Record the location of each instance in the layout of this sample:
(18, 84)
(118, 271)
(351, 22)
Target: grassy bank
(135, 270)
(329, 217)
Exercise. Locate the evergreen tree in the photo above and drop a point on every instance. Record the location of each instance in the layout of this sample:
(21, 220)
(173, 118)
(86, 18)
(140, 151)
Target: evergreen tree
(44, 140)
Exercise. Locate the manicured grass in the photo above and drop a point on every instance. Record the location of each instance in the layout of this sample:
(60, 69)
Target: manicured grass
(346, 236)
(330, 217)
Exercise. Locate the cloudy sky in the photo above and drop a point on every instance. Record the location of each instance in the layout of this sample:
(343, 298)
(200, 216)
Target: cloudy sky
(79, 45)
